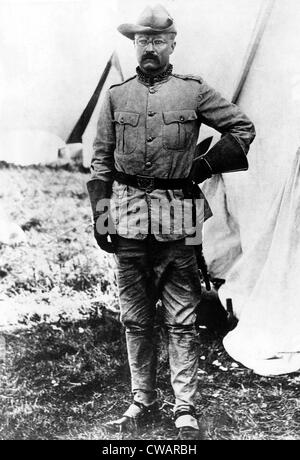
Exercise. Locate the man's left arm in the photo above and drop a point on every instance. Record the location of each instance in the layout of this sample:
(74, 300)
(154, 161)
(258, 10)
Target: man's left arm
(229, 154)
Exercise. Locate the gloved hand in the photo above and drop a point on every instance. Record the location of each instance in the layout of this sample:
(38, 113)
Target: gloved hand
(225, 156)
(103, 240)
(100, 190)
(200, 171)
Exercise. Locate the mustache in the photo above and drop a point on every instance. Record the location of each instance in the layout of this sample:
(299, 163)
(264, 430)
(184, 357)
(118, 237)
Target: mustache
(150, 56)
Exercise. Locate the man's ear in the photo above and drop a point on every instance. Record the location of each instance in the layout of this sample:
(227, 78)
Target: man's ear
(173, 46)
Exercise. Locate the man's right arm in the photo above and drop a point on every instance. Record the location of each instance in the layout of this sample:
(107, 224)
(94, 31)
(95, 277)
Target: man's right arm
(100, 184)
(102, 164)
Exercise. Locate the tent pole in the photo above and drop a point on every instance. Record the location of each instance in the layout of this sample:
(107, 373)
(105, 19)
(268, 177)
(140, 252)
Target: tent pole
(81, 125)
(261, 24)
(260, 27)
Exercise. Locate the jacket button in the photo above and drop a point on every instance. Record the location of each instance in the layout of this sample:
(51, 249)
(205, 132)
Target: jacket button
(181, 118)
(151, 114)
(149, 139)
(122, 120)
(151, 90)
(148, 164)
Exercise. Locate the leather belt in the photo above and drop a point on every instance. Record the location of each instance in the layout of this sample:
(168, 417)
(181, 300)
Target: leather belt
(149, 183)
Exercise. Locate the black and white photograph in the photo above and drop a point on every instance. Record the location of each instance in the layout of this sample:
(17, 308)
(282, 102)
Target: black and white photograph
(149, 222)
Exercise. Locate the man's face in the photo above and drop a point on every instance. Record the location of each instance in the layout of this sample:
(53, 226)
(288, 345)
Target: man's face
(153, 52)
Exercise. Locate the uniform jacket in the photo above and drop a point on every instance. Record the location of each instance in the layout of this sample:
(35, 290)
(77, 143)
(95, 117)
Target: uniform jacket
(151, 129)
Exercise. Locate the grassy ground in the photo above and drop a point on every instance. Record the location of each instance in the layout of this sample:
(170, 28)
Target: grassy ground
(60, 268)
(63, 365)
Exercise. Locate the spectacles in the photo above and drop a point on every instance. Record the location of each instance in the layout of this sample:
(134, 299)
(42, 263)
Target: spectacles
(156, 42)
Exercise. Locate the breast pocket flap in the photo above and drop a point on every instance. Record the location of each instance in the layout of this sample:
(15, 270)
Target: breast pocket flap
(127, 118)
(179, 116)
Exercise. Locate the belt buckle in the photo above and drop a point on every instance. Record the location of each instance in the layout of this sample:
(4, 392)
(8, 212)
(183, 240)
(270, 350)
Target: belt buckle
(145, 183)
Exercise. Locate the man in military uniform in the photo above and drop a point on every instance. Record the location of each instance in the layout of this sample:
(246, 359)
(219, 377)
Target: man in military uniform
(144, 154)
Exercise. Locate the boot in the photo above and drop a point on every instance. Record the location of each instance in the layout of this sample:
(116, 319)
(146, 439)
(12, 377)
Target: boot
(188, 426)
(136, 416)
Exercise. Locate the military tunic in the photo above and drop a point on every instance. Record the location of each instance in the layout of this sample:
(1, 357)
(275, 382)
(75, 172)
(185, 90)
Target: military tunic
(151, 129)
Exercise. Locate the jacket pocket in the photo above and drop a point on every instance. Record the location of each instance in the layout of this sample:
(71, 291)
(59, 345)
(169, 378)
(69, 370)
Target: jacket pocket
(126, 131)
(178, 124)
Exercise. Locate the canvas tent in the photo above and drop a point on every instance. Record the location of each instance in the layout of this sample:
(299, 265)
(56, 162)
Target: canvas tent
(262, 209)
(10, 233)
(52, 57)
(54, 54)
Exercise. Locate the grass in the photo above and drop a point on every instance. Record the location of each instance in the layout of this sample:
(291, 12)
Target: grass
(63, 362)
(60, 267)
(65, 380)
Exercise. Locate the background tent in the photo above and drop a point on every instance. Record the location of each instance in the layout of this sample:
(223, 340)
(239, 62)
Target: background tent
(52, 56)
(10, 233)
(260, 209)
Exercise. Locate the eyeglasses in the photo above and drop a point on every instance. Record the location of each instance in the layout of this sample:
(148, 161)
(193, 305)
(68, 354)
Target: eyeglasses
(157, 43)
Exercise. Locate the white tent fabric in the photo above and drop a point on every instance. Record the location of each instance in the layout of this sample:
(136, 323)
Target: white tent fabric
(262, 207)
(10, 233)
(29, 146)
(264, 286)
(221, 241)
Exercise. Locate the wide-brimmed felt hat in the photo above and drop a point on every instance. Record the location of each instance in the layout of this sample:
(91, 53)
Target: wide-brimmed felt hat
(153, 20)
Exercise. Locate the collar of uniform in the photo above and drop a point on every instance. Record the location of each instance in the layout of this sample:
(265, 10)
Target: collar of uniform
(150, 79)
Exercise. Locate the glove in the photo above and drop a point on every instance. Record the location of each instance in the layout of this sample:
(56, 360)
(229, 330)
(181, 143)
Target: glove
(225, 156)
(200, 171)
(103, 242)
(100, 190)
